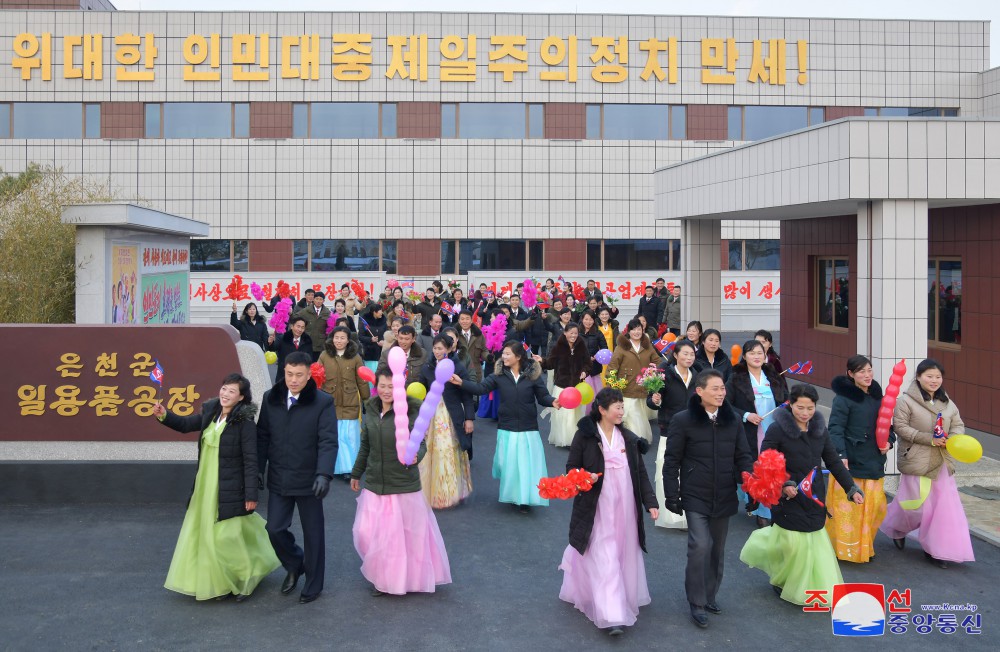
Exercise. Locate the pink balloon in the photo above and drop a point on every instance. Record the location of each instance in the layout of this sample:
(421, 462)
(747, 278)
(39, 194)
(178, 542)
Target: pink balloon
(442, 373)
(570, 398)
(397, 360)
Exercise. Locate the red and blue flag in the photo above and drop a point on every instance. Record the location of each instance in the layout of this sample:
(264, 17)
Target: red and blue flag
(806, 487)
(156, 375)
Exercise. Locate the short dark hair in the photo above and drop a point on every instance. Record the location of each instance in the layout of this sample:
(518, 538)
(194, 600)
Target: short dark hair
(660, 279)
(310, 291)
(465, 312)
(803, 390)
(711, 331)
(856, 363)
(382, 371)
(431, 289)
(345, 285)
(395, 319)
(243, 384)
(319, 294)
(294, 319)
(298, 359)
(340, 301)
(441, 338)
(633, 323)
(407, 330)
(605, 399)
(701, 380)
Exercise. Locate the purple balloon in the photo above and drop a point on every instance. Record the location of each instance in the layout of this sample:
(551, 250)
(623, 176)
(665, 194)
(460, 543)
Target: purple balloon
(411, 451)
(603, 356)
(445, 370)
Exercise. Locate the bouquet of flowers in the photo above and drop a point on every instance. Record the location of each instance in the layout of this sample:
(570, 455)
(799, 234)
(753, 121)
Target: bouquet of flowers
(651, 379)
(318, 373)
(614, 381)
(565, 486)
(414, 297)
(769, 475)
(611, 298)
(453, 285)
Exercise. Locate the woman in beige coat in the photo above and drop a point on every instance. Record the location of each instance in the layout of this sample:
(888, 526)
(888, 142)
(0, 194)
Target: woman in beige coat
(927, 498)
(633, 353)
(341, 362)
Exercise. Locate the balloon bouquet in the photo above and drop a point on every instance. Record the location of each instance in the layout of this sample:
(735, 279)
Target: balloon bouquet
(407, 441)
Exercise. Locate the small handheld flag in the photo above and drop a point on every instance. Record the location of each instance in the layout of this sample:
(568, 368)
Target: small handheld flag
(446, 308)
(939, 432)
(156, 375)
(661, 345)
(793, 369)
(806, 368)
(365, 326)
(806, 488)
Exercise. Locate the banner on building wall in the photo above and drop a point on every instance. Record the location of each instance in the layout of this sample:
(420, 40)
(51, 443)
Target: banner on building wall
(165, 298)
(123, 283)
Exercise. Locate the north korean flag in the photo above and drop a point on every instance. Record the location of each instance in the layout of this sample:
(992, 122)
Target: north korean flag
(794, 369)
(661, 345)
(807, 368)
(806, 488)
(156, 375)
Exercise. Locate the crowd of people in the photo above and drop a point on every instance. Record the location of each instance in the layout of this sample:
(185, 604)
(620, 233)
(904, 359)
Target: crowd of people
(713, 417)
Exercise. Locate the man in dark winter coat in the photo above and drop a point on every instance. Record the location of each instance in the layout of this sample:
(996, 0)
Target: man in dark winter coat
(650, 307)
(297, 442)
(292, 340)
(706, 447)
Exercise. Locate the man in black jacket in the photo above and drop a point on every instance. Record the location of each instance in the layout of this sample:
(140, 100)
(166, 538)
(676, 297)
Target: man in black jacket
(297, 442)
(706, 447)
(650, 307)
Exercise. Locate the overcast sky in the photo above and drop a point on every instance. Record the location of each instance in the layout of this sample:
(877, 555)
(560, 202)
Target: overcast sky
(896, 9)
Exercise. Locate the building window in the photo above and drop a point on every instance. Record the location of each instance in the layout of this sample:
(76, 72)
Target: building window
(817, 115)
(536, 121)
(387, 121)
(944, 301)
(734, 122)
(197, 120)
(92, 121)
(912, 112)
(389, 256)
(50, 120)
(832, 293)
(241, 120)
(464, 256)
(344, 120)
(344, 256)
(449, 121)
(300, 121)
(488, 120)
(219, 256)
(760, 122)
(754, 255)
(300, 255)
(636, 122)
(4, 120)
(633, 255)
(154, 121)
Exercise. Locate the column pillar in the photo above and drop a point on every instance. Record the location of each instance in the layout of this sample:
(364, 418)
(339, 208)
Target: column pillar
(700, 275)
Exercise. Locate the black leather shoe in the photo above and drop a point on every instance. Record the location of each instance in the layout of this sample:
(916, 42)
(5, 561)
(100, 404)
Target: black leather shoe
(712, 608)
(240, 597)
(940, 563)
(698, 616)
(616, 631)
(290, 581)
(899, 543)
(306, 599)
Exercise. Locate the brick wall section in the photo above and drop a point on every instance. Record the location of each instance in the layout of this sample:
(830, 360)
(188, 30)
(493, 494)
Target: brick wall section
(802, 241)
(418, 120)
(270, 255)
(972, 233)
(566, 120)
(566, 254)
(121, 120)
(835, 112)
(707, 122)
(418, 258)
(270, 119)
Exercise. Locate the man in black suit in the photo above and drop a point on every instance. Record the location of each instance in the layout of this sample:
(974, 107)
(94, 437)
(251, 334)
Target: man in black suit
(593, 291)
(707, 448)
(297, 441)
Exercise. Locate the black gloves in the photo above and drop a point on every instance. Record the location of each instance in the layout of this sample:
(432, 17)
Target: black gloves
(321, 486)
(854, 490)
(752, 505)
(260, 481)
(674, 505)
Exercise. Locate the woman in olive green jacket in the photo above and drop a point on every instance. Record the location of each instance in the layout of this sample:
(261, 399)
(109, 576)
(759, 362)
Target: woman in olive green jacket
(395, 531)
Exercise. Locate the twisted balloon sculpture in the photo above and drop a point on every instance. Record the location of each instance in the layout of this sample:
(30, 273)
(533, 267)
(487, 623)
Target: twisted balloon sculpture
(397, 363)
(442, 374)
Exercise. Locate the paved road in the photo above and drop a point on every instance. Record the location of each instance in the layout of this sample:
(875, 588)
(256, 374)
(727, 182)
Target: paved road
(91, 579)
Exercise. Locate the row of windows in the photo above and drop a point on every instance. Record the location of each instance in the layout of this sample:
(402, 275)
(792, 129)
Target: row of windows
(633, 255)
(754, 255)
(944, 297)
(511, 120)
(307, 256)
(464, 256)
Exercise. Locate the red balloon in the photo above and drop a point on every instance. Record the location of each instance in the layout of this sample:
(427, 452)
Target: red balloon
(889, 402)
(895, 380)
(885, 411)
(900, 369)
(366, 374)
(884, 422)
(892, 390)
(570, 398)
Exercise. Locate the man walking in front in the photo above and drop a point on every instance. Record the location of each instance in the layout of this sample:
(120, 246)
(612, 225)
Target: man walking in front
(297, 442)
(708, 450)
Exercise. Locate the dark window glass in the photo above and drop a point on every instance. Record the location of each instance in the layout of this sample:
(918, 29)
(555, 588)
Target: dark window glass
(736, 255)
(449, 256)
(388, 121)
(535, 255)
(678, 123)
(636, 121)
(593, 255)
(485, 120)
(593, 121)
(300, 255)
(152, 129)
(761, 255)
(92, 125)
(944, 301)
(241, 256)
(300, 121)
(449, 121)
(816, 115)
(197, 120)
(389, 256)
(492, 255)
(734, 119)
(241, 121)
(766, 121)
(48, 120)
(833, 293)
(344, 120)
(636, 255)
(345, 255)
(675, 255)
(4, 120)
(210, 256)
(536, 121)
(949, 113)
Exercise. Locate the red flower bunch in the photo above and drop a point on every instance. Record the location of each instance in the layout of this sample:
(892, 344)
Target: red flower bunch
(566, 486)
(358, 289)
(769, 476)
(283, 289)
(318, 373)
(578, 292)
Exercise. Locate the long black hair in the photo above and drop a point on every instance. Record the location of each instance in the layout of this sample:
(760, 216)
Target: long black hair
(244, 316)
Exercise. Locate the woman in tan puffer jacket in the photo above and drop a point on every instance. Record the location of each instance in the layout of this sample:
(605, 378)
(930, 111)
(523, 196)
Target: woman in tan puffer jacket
(928, 496)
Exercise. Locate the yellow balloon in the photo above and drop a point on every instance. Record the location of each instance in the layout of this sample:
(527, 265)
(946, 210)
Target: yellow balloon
(964, 448)
(586, 393)
(417, 391)
(270, 357)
